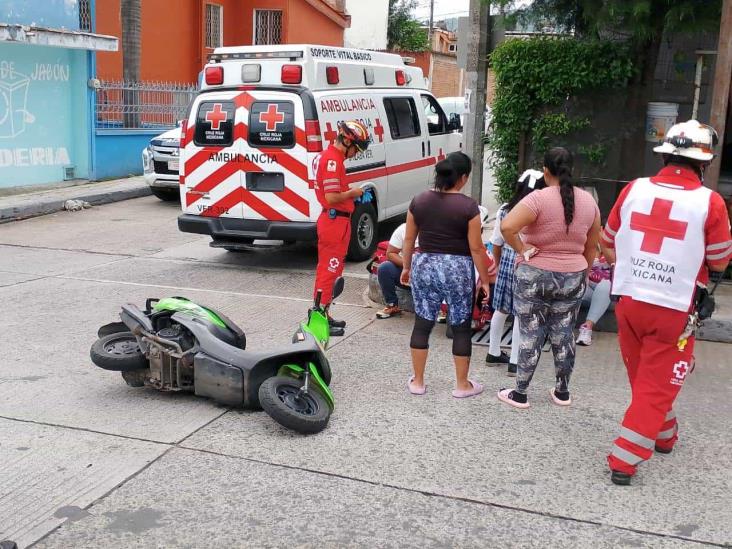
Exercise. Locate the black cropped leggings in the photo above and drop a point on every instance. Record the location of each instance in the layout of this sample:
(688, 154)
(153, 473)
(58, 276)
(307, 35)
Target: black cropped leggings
(462, 344)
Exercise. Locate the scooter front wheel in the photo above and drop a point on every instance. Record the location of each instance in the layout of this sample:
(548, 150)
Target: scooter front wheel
(304, 413)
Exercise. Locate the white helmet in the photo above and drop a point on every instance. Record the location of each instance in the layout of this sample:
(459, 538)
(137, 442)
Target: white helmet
(691, 140)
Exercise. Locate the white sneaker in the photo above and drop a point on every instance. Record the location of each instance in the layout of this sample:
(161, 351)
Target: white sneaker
(585, 336)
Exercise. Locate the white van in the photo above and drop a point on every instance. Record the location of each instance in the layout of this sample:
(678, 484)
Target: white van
(263, 115)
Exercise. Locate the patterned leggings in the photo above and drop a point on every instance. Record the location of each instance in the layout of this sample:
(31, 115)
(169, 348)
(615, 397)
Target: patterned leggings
(547, 302)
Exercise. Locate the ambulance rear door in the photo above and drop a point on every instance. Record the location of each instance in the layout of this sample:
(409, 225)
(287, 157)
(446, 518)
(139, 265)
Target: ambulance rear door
(274, 158)
(258, 170)
(209, 173)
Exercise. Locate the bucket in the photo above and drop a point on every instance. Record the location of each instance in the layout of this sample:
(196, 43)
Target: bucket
(660, 117)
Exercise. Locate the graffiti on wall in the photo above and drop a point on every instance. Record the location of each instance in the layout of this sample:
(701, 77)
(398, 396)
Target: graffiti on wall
(29, 135)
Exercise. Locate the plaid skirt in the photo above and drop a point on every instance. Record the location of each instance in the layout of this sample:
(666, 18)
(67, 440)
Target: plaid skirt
(503, 290)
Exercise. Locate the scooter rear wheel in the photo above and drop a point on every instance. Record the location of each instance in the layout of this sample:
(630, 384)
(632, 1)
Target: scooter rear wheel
(280, 397)
(118, 352)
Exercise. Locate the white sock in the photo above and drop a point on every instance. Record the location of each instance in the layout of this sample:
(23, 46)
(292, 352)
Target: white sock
(498, 322)
(515, 341)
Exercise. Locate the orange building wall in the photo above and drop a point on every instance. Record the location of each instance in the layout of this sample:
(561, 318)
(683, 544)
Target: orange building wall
(305, 25)
(173, 34)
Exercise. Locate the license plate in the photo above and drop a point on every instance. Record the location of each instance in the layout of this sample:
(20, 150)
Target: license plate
(265, 182)
(173, 165)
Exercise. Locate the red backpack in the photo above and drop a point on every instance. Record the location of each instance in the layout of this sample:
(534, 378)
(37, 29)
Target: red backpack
(378, 258)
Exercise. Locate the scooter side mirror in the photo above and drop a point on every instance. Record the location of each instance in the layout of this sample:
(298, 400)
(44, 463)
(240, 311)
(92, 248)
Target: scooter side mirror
(338, 287)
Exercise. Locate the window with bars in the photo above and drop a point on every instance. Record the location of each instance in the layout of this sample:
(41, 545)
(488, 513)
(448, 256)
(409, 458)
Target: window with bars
(85, 16)
(214, 25)
(267, 27)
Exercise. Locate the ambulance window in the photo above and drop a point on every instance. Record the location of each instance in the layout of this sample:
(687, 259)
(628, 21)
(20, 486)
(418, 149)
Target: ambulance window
(436, 119)
(272, 124)
(215, 124)
(401, 112)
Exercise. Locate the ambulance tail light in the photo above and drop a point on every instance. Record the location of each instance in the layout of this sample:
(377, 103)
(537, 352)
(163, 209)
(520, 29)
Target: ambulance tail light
(291, 74)
(183, 133)
(331, 73)
(312, 136)
(214, 76)
(401, 78)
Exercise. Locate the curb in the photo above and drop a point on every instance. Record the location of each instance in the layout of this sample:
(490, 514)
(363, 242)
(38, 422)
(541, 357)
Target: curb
(47, 206)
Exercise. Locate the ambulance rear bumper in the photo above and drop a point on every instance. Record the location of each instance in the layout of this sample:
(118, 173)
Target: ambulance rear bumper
(226, 228)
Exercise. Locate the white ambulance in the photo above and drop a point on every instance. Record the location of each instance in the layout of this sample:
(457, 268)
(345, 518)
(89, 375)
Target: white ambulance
(263, 115)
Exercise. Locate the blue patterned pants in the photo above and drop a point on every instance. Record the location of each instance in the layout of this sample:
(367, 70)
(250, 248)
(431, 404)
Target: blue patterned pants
(443, 277)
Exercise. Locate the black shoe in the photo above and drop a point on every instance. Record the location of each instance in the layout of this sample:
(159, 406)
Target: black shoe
(337, 332)
(503, 358)
(7, 544)
(664, 450)
(333, 323)
(621, 479)
(512, 370)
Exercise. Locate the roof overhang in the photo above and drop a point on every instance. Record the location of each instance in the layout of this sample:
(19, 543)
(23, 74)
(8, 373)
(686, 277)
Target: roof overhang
(57, 38)
(341, 19)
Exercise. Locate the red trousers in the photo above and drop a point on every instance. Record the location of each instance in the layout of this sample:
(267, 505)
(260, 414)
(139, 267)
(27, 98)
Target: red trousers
(648, 337)
(333, 238)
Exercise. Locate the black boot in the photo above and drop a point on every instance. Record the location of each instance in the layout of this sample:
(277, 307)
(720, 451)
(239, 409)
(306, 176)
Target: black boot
(335, 331)
(621, 479)
(664, 450)
(333, 323)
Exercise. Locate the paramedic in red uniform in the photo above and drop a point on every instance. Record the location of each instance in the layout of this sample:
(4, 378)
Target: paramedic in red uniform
(336, 197)
(667, 231)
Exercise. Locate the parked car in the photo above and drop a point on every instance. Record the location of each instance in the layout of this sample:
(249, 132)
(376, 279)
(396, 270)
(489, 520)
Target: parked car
(456, 105)
(161, 162)
(266, 112)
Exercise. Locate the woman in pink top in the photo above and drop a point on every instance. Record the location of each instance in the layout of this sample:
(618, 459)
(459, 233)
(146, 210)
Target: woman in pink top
(560, 229)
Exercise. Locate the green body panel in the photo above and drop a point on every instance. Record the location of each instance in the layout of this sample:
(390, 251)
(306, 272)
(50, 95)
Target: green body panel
(183, 305)
(293, 370)
(317, 326)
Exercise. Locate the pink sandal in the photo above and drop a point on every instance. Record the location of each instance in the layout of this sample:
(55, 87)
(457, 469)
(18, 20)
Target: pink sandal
(477, 388)
(416, 391)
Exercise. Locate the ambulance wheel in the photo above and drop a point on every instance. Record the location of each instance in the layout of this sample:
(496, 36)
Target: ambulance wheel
(364, 229)
(168, 195)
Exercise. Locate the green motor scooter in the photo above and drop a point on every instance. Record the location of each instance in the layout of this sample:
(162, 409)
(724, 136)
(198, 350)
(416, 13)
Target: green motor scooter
(175, 344)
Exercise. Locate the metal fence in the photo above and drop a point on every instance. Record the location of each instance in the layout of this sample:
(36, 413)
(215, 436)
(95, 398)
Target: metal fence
(141, 105)
(85, 18)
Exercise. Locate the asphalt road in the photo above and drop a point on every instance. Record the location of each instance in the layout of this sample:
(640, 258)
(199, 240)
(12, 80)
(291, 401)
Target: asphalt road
(86, 461)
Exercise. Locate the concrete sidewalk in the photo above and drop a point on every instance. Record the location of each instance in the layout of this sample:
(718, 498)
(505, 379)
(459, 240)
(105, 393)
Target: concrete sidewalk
(47, 201)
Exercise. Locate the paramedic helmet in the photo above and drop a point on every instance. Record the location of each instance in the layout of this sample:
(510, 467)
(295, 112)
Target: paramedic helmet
(356, 133)
(691, 140)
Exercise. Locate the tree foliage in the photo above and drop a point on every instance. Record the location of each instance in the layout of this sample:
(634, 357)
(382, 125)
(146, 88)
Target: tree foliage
(537, 74)
(642, 21)
(404, 32)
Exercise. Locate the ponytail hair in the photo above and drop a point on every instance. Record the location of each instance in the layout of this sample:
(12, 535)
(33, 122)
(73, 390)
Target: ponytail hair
(559, 162)
(449, 171)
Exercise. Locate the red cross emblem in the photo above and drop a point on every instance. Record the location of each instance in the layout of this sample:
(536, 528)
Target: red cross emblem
(379, 130)
(216, 116)
(272, 118)
(657, 226)
(330, 134)
(681, 369)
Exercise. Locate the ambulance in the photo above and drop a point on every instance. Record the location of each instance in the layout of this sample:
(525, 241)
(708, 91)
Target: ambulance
(263, 115)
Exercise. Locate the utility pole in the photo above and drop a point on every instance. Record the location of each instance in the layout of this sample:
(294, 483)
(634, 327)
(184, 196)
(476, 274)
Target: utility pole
(432, 23)
(721, 90)
(477, 53)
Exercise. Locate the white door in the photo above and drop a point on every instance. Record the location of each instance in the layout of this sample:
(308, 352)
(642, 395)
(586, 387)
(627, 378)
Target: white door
(440, 138)
(408, 163)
